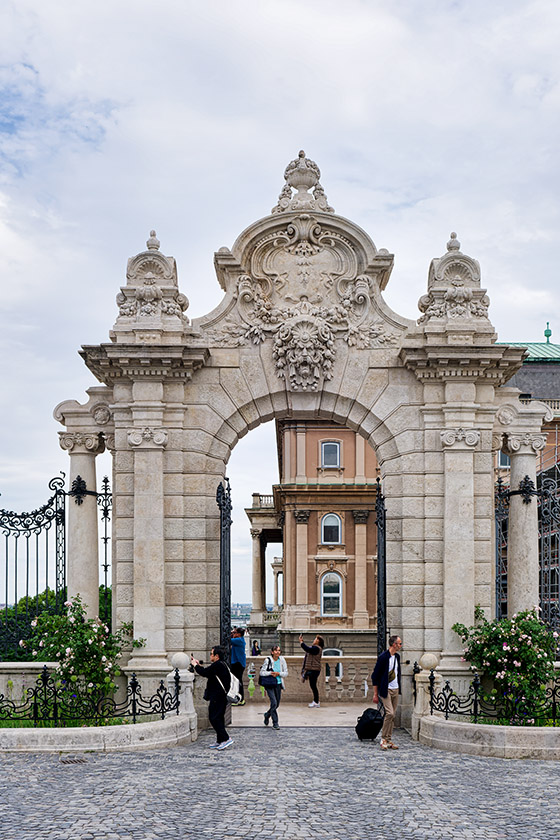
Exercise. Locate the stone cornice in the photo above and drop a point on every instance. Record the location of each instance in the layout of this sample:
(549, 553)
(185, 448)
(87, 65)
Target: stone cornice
(111, 363)
(495, 363)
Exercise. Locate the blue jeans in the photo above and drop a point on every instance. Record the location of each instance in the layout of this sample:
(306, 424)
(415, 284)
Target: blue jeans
(274, 694)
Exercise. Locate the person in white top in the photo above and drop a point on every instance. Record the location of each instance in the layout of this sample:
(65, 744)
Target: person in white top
(271, 677)
(386, 679)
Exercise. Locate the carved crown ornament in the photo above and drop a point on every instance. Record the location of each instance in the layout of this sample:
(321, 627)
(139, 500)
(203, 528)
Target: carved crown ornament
(151, 301)
(304, 282)
(454, 292)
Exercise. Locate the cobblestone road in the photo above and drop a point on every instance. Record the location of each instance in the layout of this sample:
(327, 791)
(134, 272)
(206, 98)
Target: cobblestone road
(293, 784)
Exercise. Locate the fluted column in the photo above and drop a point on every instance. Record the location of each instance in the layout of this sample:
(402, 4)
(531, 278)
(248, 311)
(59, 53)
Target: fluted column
(257, 605)
(83, 537)
(458, 533)
(523, 536)
(361, 615)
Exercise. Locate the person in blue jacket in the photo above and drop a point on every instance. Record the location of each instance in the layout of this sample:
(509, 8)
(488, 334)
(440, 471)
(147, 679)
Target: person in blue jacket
(238, 659)
(386, 679)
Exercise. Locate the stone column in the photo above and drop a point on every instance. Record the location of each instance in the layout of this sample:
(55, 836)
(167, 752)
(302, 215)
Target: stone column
(258, 604)
(361, 615)
(458, 535)
(83, 537)
(275, 605)
(302, 595)
(301, 470)
(523, 538)
(148, 444)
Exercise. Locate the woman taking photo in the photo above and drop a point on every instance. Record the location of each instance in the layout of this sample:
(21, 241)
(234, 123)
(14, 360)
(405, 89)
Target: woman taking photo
(271, 677)
(312, 666)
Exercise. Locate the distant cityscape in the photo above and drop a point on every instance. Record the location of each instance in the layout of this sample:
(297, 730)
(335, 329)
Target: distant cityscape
(240, 613)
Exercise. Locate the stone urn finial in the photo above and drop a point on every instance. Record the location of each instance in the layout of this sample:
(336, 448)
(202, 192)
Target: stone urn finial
(302, 175)
(453, 244)
(153, 242)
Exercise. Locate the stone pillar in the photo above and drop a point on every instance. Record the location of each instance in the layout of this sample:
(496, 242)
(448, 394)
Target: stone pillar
(258, 603)
(302, 595)
(301, 471)
(458, 535)
(275, 605)
(523, 539)
(83, 537)
(148, 444)
(361, 615)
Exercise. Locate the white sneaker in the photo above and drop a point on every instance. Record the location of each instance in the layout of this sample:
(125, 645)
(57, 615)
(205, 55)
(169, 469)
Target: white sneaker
(214, 746)
(314, 705)
(225, 744)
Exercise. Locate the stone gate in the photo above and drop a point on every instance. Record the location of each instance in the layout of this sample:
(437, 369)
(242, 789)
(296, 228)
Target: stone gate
(302, 332)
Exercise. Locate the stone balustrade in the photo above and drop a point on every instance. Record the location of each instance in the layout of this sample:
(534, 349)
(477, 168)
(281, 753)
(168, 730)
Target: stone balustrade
(342, 679)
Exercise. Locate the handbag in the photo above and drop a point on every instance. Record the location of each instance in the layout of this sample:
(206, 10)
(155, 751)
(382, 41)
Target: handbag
(267, 680)
(232, 695)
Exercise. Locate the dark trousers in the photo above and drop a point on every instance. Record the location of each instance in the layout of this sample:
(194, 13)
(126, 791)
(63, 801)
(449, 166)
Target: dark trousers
(274, 695)
(237, 670)
(216, 713)
(313, 676)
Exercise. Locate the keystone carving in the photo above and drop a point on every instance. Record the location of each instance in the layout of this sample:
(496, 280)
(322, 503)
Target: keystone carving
(147, 438)
(466, 437)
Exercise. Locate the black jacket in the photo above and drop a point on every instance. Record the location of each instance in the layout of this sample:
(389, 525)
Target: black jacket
(214, 690)
(380, 676)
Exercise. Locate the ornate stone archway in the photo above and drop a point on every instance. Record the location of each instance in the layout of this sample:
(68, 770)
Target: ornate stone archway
(302, 331)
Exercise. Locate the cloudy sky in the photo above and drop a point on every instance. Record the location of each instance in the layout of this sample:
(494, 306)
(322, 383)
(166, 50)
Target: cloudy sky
(425, 116)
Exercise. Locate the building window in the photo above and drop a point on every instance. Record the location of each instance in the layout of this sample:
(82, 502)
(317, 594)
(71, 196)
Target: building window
(330, 454)
(504, 461)
(331, 594)
(331, 529)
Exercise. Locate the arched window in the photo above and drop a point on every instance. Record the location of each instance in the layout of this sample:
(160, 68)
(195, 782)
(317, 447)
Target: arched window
(331, 529)
(331, 594)
(330, 453)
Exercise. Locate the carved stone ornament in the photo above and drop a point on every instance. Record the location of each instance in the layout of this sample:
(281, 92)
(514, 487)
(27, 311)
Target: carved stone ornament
(505, 415)
(101, 414)
(81, 442)
(525, 443)
(454, 292)
(463, 437)
(304, 289)
(147, 438)
(360, 516)
(302, 516)
(151, 291)
(302, 175)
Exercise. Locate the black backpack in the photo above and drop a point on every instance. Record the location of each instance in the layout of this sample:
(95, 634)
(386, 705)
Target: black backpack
(369, 725)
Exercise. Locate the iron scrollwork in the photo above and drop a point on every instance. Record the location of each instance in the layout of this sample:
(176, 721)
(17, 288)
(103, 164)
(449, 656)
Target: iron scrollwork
(223, 500)
(380, 521)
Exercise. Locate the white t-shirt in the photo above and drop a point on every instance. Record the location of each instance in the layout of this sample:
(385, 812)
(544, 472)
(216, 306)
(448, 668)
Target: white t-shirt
(393, 664)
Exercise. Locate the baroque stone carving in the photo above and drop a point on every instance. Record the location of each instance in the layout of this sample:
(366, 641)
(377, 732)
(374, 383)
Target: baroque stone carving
(505, 415)
(101, 414)
(360, 516)
(147, 438)
(84, 441)
(302, 175)
(302, 516)
(525, 443)
(454, 291)
(468, 437)
(304, 291)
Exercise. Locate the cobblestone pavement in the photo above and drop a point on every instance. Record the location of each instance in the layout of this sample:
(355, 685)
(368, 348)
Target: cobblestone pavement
(293, 784)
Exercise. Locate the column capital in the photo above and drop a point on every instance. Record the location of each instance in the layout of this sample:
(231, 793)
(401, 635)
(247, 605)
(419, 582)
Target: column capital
(81, 443)
(525, 443)
(147, 438)
(459, 438)
(302, 516)
(255, 533)
(360, 516)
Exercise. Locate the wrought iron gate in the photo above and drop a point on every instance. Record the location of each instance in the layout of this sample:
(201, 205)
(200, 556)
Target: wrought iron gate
(223, 499)
(33, 566)
(380, 521)
(547, 495)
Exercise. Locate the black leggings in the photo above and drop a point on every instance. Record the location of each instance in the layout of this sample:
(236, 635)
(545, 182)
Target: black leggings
(313, 677)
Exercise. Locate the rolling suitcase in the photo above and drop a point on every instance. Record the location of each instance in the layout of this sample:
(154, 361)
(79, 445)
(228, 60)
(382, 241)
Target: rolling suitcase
(369, 725)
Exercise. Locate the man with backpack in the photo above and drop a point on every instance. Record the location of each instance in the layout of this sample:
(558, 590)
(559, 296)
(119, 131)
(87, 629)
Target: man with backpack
(218, 676)
(386, 679)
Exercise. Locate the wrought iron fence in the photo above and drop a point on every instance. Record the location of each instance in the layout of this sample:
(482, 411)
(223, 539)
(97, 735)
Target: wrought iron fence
(49, 703)
(33, 566)
(508, 709)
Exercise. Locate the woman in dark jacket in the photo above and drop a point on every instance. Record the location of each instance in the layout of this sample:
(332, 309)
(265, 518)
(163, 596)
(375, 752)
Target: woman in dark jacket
(312, 666)
(218, 677)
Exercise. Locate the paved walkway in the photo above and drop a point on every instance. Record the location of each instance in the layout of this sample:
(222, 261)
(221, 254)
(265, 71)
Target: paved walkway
(310, 783)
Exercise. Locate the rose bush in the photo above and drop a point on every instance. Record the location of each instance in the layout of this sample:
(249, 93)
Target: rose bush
(86, 652)
(517, 653)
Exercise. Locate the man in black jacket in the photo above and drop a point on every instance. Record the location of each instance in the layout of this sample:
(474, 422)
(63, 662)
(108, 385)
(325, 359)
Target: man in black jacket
(218, 677)
(386, 679)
